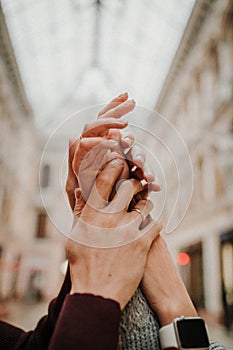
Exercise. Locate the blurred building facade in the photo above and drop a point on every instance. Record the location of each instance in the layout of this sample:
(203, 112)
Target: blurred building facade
(197, 99)
(26, 263)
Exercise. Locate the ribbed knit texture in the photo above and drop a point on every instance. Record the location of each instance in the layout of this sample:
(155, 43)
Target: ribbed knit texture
(139, 327)
(217, 346)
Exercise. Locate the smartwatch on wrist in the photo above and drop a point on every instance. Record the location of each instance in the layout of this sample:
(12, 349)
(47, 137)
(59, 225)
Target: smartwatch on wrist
(185, 333)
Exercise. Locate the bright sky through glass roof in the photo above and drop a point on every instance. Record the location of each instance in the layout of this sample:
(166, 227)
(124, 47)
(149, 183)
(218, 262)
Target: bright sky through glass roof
(84, 52)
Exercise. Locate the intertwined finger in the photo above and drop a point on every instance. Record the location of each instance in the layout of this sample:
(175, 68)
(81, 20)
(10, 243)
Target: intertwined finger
(119, 110)
(127, 189)
(144, 208)
(115, 102)
(100, 127)
(105, 181)
(90, 146)
(137, 156)
(127, 140)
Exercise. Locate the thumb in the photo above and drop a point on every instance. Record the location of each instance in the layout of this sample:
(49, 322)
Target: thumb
(152, 231)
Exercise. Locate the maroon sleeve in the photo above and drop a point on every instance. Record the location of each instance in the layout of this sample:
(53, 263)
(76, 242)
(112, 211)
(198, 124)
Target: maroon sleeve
(87, 322)
(14, 338)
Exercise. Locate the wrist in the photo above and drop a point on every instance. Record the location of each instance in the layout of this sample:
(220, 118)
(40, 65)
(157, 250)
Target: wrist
(163, 285)
(168, 310)
(94, 287)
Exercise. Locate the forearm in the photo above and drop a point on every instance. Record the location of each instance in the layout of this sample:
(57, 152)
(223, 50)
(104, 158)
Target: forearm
(164, 287)
(87, 322)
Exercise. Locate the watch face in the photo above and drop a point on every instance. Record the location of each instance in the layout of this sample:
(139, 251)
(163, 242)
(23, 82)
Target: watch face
(192, 333)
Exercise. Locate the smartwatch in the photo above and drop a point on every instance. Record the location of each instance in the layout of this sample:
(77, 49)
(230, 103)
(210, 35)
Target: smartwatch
(185, 333)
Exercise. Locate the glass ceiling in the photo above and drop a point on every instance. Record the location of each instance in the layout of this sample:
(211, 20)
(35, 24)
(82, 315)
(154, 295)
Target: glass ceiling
(82, 52)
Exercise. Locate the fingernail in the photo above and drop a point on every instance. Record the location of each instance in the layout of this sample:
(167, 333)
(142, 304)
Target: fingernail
(122, 121)
(128, 141)
(130, 101)
(117, 161)
(124, 94)
(150, 177)
(140, 158)
(113, 142)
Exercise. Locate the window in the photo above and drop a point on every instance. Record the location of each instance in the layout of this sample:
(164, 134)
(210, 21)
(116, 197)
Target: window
(226, 241)
(41, 225)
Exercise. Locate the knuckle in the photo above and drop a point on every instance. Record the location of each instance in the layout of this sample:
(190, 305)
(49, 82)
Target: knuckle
(102, 180)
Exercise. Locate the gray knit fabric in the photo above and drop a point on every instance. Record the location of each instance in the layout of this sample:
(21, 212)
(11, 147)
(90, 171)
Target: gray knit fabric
(217, 346)
(139, 327)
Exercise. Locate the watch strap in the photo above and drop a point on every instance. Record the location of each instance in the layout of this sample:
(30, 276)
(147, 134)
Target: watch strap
(167, 337)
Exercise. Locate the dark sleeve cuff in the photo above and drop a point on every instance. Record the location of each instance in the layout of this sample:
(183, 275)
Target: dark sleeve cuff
(87, 322)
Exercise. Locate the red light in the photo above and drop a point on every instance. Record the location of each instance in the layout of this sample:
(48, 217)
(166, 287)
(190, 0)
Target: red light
(183, 259)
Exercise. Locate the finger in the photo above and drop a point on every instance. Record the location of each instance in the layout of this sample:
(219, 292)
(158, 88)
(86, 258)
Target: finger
(101, 127)
(71, 182)
(155, 187)
(127, 140)
(145, 207)
(141, 173)
(114, 134)
(137, 163)
(104, 184)
(150, 233)
(90, 144)
(137, 156)
(120, 110)
(148, 174)
(115, 102)
(127, 189)
(144, 194)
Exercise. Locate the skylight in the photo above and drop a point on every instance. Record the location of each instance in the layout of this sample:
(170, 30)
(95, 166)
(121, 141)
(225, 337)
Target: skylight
(83, 52)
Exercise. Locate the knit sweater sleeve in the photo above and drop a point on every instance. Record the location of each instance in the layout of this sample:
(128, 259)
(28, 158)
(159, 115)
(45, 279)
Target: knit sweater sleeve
(217, 346)
(14, 338)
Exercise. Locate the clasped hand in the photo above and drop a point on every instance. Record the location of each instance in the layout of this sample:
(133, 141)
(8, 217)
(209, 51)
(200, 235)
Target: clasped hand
(101, 187)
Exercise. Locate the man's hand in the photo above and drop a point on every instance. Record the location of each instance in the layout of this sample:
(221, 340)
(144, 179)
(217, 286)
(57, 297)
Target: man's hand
(113, 273)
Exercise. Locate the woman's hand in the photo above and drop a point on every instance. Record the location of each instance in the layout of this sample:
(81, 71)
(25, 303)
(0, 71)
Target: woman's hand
(116, 272)
(96, 134)
(107, 126)
(163, 286)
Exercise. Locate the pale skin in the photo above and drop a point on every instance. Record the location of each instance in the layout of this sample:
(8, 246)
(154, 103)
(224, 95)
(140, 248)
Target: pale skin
(112, 273)
(103, 131)
(161, 282)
